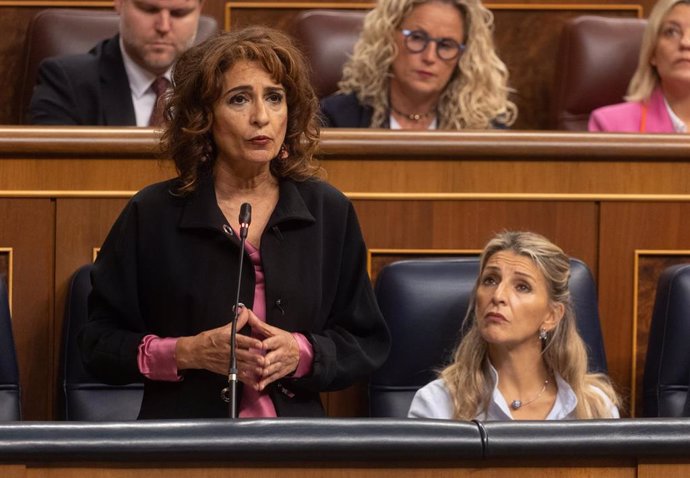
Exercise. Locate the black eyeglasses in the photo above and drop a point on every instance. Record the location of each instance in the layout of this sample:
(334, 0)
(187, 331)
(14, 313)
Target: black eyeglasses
(416, 41)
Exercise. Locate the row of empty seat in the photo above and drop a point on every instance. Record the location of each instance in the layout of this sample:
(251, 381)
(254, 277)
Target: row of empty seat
(424, 302)
(595, 61)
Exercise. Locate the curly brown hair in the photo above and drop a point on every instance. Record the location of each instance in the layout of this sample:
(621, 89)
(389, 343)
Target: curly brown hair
(198, 84)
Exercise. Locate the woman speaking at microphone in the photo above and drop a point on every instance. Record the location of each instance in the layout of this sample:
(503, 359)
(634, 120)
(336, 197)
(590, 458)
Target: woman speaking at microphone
(241, 128)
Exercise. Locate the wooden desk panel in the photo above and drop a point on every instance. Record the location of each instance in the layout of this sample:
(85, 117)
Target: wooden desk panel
(600, 197)
(27, 229)
(384, 471)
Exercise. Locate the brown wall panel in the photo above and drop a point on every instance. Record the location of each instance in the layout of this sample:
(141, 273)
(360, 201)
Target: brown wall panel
(81, 226)
(27, 226)
(625, 228)
(469, 224)
(14, 23)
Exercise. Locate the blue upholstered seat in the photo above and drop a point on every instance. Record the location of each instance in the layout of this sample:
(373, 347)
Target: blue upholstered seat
(84, 397)
(667, 367)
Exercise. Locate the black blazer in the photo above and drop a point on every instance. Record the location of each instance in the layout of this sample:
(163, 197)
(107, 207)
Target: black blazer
(90, 89)
(345, 111)
(169, 267)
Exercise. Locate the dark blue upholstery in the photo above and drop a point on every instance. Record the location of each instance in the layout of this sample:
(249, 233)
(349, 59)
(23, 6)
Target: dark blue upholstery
(424, 302)
(667, 367)
(86, 399)
(10, 397)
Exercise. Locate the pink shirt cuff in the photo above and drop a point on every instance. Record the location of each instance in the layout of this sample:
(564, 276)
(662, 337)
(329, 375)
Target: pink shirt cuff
(306, 356)
(156, 358)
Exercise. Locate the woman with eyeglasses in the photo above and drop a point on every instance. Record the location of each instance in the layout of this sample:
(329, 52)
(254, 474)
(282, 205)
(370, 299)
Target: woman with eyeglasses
(658, 99)
(423, 64)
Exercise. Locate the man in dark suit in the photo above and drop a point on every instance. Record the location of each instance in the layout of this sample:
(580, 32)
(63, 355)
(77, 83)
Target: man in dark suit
(119, 81)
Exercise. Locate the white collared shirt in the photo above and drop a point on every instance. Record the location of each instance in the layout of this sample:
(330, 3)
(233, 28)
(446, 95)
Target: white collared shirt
(395, 125)
(678, 125)
(434, 401)
(140, 81)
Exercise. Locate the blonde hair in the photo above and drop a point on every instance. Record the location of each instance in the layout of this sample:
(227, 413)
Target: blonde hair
(468, 377)
(476, 95)
(646, 77)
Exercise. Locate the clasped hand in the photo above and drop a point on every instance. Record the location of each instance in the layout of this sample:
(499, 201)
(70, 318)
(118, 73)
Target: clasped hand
(269, 355)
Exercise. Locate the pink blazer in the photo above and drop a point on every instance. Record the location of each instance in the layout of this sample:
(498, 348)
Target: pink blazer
(627, 117)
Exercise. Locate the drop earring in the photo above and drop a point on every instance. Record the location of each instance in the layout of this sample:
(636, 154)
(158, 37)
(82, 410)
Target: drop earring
(543, 335)
(283, 153)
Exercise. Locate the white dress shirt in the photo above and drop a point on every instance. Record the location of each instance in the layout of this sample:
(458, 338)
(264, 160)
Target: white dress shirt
(140, 81)
(434, 401)
(678, 124)
(395, 125)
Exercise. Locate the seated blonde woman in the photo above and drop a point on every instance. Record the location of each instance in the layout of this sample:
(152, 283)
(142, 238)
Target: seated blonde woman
(420, 65)
(658, 99)
(521, 357)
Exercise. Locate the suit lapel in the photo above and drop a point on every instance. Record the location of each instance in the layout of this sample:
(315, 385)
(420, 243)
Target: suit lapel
(116, 97)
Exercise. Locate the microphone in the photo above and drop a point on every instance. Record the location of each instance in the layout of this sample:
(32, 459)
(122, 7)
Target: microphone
(245, 219)
(229, 393)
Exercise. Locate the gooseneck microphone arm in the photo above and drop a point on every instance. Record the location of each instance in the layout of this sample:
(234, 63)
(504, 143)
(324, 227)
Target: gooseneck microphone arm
(229, 393)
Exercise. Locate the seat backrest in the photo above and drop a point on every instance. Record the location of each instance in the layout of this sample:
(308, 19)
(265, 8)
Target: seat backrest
(84, 397)
(424, 302)
(597, 57)
(667, 365)
(68, 31)
(10, 396)
(327, 38)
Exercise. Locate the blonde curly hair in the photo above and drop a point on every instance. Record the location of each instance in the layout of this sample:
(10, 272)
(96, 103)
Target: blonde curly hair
(476, 97)
(468, 377)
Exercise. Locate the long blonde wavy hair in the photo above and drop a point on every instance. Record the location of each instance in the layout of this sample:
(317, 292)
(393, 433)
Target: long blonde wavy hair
(646, 77)
(468, 377)
(476, 95)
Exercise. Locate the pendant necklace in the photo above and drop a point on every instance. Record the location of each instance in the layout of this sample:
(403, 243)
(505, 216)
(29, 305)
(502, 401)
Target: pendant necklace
(412, 116)
(518, 404)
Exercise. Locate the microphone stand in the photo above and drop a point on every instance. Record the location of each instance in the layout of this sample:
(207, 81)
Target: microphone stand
(229, 393)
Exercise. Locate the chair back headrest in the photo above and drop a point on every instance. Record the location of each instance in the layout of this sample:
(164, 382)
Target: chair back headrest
(667, 366)
(10, 397)
(85, 398)
(424, 302)
(69, 31)
(597, 57)
(327, 38)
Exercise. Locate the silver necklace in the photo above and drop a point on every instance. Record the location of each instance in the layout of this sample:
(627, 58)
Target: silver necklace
(518, 404)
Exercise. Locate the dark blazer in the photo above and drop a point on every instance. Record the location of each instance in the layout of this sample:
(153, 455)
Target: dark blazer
(169, 267)
(90, 89)
(345, 111)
